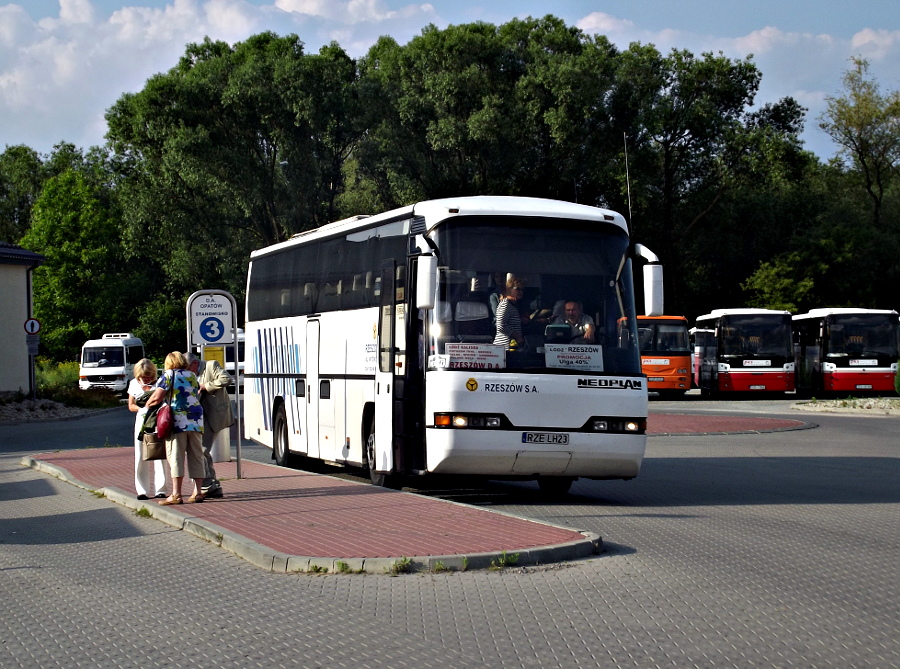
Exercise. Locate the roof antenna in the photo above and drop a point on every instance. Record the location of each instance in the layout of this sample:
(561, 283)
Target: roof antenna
(628, 181)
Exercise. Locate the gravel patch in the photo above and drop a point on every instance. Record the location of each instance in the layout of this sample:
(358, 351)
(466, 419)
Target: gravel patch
(858, 405)
(29, 411)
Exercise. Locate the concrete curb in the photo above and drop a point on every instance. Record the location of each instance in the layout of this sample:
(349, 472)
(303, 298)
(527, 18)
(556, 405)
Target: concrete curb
(274, 561)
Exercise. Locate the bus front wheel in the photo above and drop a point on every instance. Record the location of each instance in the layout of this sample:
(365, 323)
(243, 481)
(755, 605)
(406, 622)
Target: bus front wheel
(281, 453)
(381, 479)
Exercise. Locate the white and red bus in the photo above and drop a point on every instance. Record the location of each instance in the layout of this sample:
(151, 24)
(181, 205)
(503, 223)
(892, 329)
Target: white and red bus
(370, 343)
(665, 354)
(745, 350)
(845, 350)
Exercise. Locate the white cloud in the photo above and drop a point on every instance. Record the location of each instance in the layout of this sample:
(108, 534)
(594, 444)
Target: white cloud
(877, 45)
(600, 23)
(351, 11)
(76, 11)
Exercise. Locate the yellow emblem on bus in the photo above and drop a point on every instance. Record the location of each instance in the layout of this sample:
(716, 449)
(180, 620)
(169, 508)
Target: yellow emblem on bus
(472, 384)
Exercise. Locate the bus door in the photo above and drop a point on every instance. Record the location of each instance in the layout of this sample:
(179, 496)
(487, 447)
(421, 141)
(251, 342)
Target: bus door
(384, 373)
(312, 388)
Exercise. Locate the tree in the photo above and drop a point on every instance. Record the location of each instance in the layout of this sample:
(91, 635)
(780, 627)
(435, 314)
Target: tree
(518, 109)
(233, 149)
(699, 157)
(21, 179)
(866, 125)
(84, 287)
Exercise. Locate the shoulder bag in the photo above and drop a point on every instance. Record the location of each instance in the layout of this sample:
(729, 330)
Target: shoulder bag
(153, 447)
(164, 420)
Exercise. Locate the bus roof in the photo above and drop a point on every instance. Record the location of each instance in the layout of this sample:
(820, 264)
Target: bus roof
(831, 311)
(662, 318)
(749, 311)
(435, 211)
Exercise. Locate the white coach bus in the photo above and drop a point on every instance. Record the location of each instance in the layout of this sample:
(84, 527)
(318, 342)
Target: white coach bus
(370, 343)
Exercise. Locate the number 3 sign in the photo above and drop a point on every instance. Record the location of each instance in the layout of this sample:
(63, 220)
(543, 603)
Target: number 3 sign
(210, 318)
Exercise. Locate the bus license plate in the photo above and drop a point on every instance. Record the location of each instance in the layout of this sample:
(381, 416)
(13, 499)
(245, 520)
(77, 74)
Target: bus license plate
(658, 379)
(757, 387)
(555, 438)
(864, 386)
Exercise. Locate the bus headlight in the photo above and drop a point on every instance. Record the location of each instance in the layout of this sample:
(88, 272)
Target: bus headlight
(601, 425)
(466, 420)
(632, 426)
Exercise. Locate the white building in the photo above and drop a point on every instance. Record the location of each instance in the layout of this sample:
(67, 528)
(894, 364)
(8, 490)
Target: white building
(16, 267)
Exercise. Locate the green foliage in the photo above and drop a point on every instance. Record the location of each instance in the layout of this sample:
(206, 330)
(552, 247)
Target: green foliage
(504, 560)
(21, 178)
(866, 124)
(233, 149)
(59, 382)
(402, 565)
(78, 282)
(51, 375)
(775, 284)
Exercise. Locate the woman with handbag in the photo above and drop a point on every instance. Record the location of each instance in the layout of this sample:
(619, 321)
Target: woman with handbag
(139, 391)
(179, 387)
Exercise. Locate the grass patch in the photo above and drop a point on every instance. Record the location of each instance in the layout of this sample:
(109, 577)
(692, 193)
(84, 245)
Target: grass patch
(505, 560)
(143, 512)
(402, 565)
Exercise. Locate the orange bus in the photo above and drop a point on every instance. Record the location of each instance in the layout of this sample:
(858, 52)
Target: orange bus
(665, 353)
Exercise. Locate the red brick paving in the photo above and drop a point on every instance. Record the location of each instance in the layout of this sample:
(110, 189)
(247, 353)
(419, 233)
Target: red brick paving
(703, 424)
(299, 513)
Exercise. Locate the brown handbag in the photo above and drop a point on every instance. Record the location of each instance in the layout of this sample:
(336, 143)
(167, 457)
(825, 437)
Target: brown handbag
(153, 447)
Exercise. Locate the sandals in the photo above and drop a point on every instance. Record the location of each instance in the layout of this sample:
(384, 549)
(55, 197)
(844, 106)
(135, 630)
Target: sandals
(196, 498)
(174, 499)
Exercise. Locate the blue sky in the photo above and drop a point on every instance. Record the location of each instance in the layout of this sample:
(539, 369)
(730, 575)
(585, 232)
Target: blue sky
(64, 62)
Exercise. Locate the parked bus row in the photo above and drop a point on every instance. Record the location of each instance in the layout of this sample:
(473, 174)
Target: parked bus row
(825, 351)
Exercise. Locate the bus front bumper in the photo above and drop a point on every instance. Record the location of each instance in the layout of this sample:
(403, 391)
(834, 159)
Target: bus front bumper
(500, 453)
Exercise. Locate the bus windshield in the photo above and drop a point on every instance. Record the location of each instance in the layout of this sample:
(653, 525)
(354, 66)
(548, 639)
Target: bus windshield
(575, 303)
(112, 356)
(756, 336)
(662, 337)
(864, 335)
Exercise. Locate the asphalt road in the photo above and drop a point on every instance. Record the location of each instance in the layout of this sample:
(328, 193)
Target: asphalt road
(746, 550)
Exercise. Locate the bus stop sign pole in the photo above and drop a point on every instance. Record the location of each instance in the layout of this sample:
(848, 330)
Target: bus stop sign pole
(211, 321)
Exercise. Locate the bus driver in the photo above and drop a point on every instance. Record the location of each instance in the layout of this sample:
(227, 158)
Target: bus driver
(581, 324)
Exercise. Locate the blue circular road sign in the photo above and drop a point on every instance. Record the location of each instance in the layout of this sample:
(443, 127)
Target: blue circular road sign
(212, 329)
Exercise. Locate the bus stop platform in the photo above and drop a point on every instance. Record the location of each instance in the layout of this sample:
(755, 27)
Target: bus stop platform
(288, 520)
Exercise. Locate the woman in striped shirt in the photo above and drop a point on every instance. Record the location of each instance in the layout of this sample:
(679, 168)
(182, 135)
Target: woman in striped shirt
(509, 320)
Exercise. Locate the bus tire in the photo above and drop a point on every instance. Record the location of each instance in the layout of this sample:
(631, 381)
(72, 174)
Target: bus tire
(281, 453)
(381, 479)
(555, 486)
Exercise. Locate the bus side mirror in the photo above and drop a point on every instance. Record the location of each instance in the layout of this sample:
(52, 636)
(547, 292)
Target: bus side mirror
(653, 290)
(426, 282)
